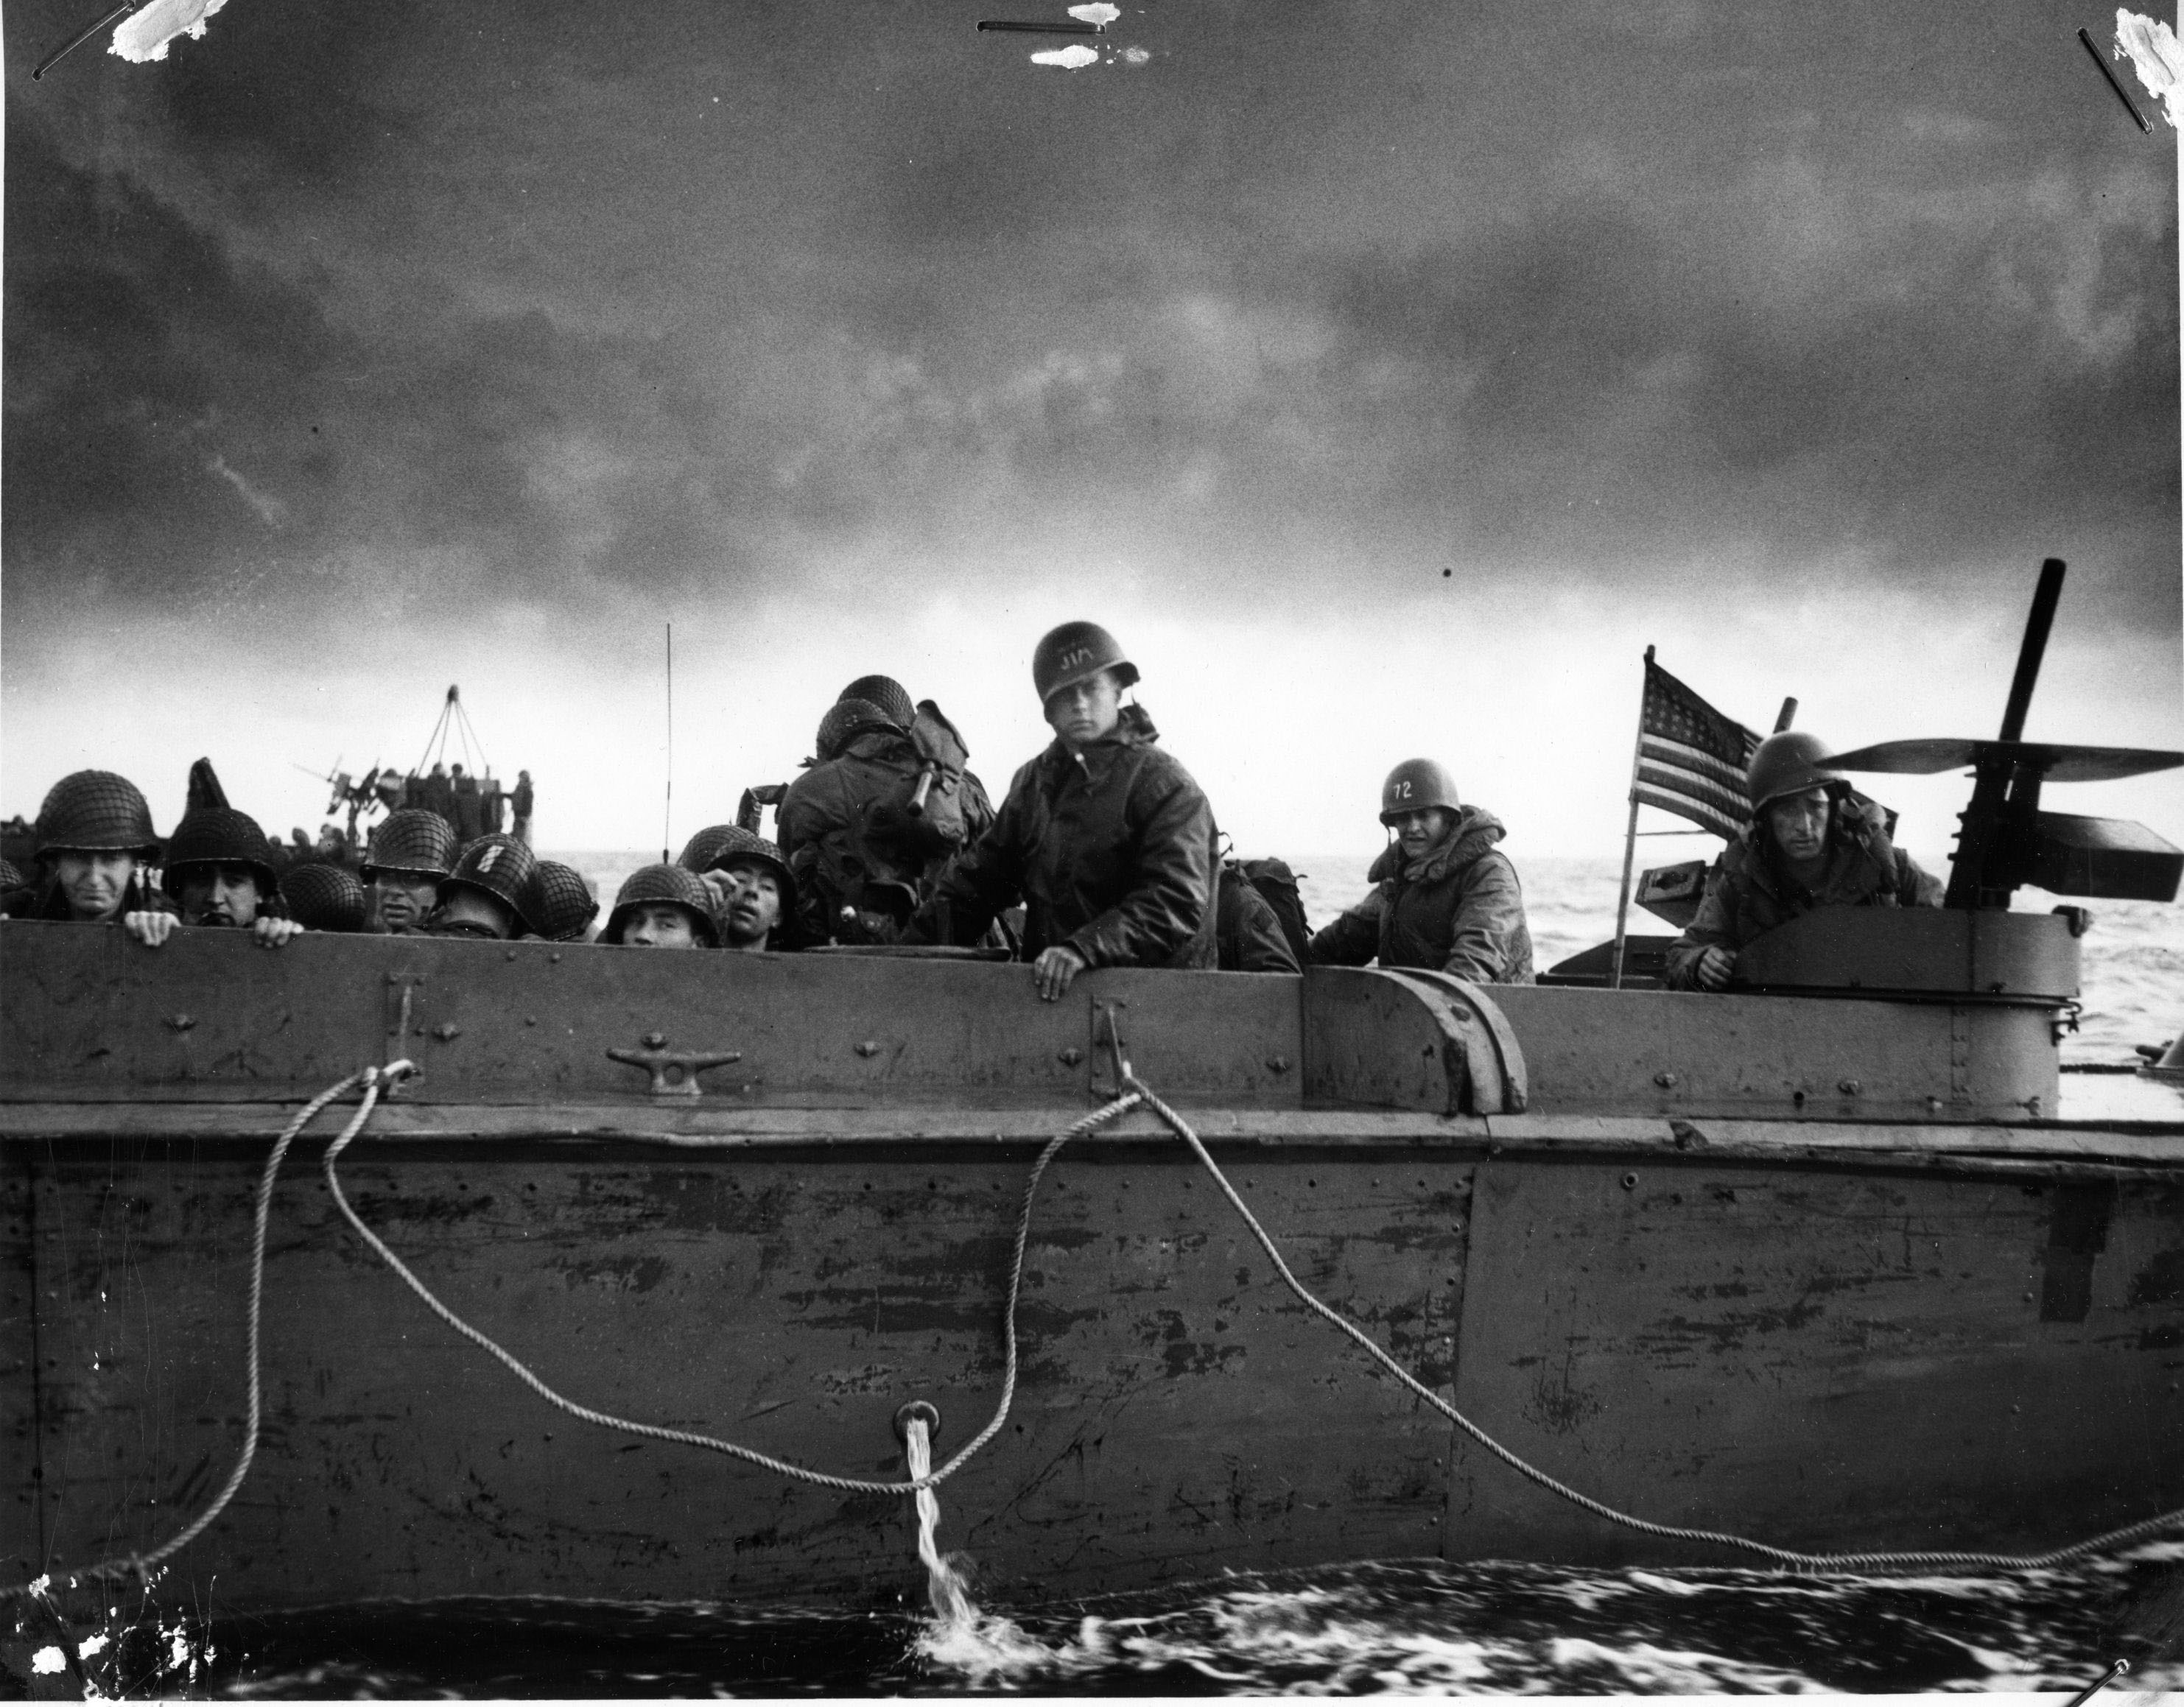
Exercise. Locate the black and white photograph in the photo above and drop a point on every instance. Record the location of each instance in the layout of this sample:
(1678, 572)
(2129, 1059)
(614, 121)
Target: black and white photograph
(1418, 766)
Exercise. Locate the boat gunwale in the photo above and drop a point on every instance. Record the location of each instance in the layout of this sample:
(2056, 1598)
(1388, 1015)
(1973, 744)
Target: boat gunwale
(2141, 1149)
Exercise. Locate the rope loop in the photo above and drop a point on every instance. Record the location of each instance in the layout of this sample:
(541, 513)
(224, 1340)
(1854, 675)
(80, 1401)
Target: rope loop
(1782, 1558)
(1134, 1093)
(138, 1567)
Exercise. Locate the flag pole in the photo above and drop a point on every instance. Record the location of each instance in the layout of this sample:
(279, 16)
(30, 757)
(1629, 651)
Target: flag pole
(1630, 838)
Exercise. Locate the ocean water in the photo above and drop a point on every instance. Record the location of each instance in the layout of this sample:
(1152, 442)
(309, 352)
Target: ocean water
(1407, 1626)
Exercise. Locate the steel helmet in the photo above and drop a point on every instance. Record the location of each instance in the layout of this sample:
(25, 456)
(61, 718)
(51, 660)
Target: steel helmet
(504, 868)
(697, 854)
(885, 692)
(846, 721)
(1075, 652)
(219, 835)
(652, 885)
(323, 897)
(739, 843)
(566, 905)
(10, 878)
(1789, 764)
(1415, 785)
(96, 812)
(412, 839)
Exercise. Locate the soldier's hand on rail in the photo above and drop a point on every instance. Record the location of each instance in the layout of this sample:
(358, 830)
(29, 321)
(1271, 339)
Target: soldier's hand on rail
(271, 933)
(1713, 969)
(1050, 973)
(151, 929)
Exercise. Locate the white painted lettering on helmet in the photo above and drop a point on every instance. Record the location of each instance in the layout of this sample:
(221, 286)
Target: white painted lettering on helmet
(1075, 656)
(485, 859)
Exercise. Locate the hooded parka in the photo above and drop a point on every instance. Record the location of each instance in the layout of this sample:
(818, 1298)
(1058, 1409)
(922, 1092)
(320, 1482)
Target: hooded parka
(1457, 909)
(1113, 851)
(1748, 892)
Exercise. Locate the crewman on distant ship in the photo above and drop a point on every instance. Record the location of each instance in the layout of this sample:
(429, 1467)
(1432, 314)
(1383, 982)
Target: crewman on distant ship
(468, 805)
(217, 872)
(1105, 837)
(662, 906)
(94, 835)
(1444, 897)
(520, 803)
(1813, 841)
(886, 803)
(490, 892)
(409, 856)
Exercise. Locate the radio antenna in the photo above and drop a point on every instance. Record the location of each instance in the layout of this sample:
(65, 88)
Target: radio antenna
(667, 808)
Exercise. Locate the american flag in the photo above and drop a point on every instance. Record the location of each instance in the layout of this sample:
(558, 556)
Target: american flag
(1691, 760)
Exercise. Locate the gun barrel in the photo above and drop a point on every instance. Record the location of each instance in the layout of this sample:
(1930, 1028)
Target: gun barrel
(2045, 597)
(924, 787)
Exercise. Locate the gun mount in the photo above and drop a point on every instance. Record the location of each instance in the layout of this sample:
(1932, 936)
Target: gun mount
(2006, 841)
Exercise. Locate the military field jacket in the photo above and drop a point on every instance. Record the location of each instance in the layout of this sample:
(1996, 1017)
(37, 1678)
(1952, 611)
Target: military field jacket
(1111, 852)
(1748, 892)
(1460, 910)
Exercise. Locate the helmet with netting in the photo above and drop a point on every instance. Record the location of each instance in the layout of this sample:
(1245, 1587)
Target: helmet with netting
(566, 905)
(892, 697)
(846, 721)
(412, 839)
(323, 897)
(96, 812)
(737, 842)
(504, 868)
(217, 836)
(654, 886)
(697, 854)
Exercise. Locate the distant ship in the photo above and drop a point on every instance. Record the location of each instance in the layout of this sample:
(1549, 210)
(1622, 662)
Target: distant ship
(465, 791)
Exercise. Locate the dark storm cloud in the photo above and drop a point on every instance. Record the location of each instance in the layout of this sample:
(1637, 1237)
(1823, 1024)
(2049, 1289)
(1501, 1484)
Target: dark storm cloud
(402, 306)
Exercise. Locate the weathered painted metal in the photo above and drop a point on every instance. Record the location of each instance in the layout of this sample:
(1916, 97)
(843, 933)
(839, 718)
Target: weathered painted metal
(1693, 1274)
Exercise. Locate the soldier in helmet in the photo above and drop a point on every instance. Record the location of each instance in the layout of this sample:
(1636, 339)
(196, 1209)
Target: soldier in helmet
(886, 802)
(1443, 898)
(753, 888)
(1106, 838)
(94, 834)
(566, 902)
(409, 855)
(324, 898)
(490, 892)
(1813, 841)
(16, 893)
(217, 871)
(662, 906)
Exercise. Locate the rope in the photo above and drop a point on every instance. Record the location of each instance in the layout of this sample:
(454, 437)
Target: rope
(1780, 1555)
(683, 1437)
(138, 1566)
(1136, 1093)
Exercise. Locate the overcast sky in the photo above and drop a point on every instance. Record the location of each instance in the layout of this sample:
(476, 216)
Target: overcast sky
(1387, 375)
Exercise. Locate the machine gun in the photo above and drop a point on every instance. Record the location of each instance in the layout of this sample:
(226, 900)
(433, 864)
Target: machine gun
(2006, 840)
(359, 798)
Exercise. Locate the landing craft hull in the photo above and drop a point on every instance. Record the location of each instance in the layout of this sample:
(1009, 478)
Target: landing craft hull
(1695, 1300)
